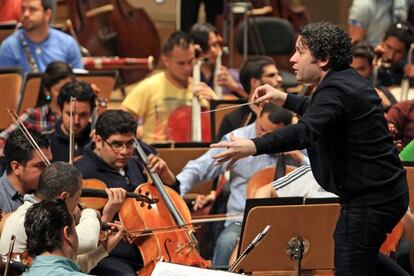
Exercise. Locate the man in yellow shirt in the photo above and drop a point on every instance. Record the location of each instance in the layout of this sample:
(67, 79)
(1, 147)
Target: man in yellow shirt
(153, 99)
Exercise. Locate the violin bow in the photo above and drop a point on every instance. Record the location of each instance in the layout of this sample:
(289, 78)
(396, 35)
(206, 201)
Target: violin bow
(9, 254)
(72, 110)
(28, 136)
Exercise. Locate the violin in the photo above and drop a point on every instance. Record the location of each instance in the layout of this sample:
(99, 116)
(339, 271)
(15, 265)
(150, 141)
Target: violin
(171, 213)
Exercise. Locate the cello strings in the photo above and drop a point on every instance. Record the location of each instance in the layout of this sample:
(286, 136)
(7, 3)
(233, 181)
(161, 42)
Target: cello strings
(227, 107)
(26, 133)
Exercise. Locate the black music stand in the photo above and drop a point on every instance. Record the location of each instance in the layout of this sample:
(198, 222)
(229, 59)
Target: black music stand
(293, 225)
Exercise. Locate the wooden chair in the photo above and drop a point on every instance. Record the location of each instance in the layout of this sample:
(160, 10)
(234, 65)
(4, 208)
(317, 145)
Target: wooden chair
(106, 81)
(177, 158)
(30, 92)
(6, 29)
(10, 83)
(217, 117)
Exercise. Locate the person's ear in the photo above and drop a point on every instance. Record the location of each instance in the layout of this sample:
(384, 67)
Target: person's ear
(165, 60)
(323, 62)
(63, 195)
(16, 167)
(66, 235)
(48, 15)
(254, 83)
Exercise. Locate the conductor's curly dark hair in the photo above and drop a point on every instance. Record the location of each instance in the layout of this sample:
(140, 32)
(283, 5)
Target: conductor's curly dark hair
(326, 40)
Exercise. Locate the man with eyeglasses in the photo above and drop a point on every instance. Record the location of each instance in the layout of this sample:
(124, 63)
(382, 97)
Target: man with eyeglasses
(110, 159)
(254, 72)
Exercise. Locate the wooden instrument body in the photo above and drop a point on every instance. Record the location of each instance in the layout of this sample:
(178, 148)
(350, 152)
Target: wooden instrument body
(179, 125)
(172, 246)
(113, 28)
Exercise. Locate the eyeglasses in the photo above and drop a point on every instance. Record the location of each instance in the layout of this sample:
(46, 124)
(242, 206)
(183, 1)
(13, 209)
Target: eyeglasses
(117, 146)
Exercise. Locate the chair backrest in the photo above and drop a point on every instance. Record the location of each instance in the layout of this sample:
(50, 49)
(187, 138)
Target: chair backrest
(6, 29)
(106, 81)
(30, 91)
(10, 83)
(217, 116)
(276, 36)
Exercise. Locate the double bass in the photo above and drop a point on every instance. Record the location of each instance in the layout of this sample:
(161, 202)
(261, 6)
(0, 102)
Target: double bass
(114, 28)
(178, 245)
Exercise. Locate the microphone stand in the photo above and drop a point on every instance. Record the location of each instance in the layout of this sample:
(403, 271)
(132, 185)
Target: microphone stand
(249, 248)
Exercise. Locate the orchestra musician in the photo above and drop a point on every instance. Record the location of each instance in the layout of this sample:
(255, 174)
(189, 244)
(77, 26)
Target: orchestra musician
(37, 44)
(43, 116)
(153, 99)
(393, 51)
(22, 168)
(212, 72)
(53, 239)
(270, 119)
(63, 181)
(84, 104)
(255, 71)
(109, 158)
(363, 56)
(344, 129)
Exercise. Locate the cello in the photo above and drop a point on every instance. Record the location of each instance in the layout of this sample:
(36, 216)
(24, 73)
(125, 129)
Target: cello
(171, 212)
(189, 124)
(114, 28)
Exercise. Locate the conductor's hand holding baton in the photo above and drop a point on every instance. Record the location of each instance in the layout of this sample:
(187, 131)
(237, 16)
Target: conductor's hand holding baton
(238, 148)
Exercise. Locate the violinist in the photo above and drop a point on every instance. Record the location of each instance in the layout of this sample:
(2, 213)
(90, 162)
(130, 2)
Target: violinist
(23, 167)
(36, 45)
(59, 180)
(255, 71)
(212, 72)
(83, 109)
(110, 159)
(270, 119)
(153, 99)
(52, 221)
(44, 115)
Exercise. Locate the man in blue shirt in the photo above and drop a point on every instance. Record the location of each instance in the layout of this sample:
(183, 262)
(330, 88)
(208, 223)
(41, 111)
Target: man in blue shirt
(36, 45)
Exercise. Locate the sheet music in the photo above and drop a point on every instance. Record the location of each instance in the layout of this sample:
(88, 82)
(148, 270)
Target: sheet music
(169, 269)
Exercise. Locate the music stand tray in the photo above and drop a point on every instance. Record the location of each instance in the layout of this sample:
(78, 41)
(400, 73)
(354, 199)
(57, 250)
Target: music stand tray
(313, 223)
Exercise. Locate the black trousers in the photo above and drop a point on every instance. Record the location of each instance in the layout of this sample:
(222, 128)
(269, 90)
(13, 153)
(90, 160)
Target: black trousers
(124, 260)
(359, 234)
(189, 12)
